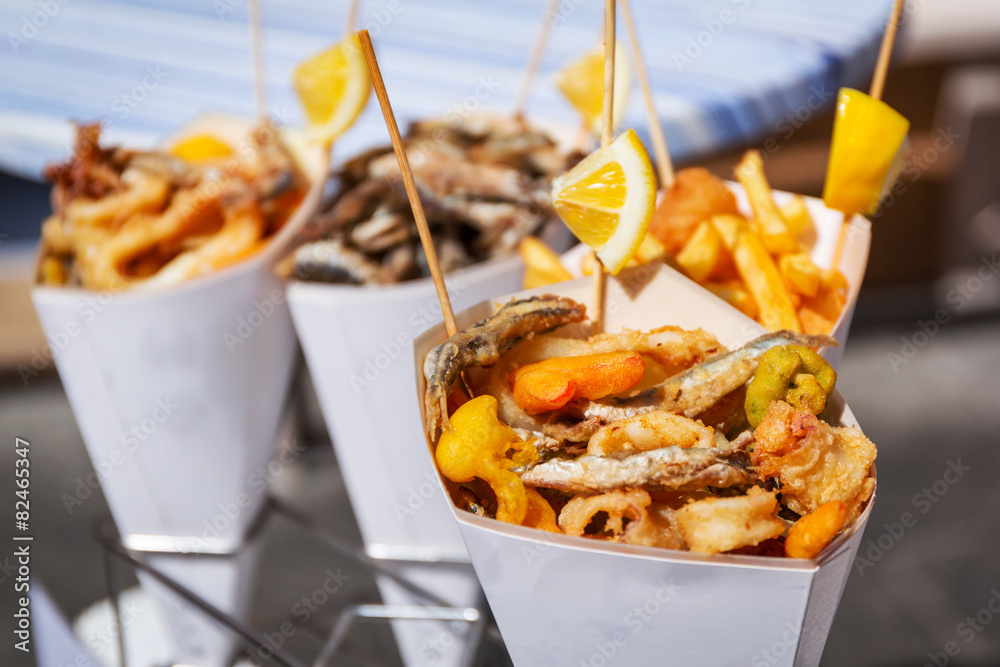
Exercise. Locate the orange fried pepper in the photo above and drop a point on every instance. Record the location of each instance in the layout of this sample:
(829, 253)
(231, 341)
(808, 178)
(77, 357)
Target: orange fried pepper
(815, 530)
(540, 513)
(551, 384)
(478, 444)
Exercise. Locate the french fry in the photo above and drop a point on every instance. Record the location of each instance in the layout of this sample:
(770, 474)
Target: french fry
(800, 274)
(588, 264)
(651, 249)
(701, 255)
(761, 276)
(729, 228)
(820, 312)
(735, 294)
(767, 218)
(542, 265)
(796, 216)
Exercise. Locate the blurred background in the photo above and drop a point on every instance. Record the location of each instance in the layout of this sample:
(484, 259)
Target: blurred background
(922, 371)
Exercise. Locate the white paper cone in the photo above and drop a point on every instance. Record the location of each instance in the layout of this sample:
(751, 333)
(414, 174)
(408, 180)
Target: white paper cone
(178, 394)
(358, 344)
(827, 222)
(573, 601)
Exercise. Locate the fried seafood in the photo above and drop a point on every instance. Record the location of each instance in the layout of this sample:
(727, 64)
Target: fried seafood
(696, 195)
(657, 528)
(665, 352)
(484, 183)
(667, 458)
(580, 511)
(697, 389)
(144, 219)
(663, 469)
(650, 430)
(816, 463)
(484, 342)
(714, 525)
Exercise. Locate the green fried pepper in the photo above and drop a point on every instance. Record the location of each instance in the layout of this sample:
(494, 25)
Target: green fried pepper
(791, 373)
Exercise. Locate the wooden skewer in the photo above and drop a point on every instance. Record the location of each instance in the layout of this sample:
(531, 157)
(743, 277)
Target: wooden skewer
(535, 60)
(665, 168)
(256, 41)
(409, 184)
(352, 18)
(878, 86)
(885, 52)
(607, 120)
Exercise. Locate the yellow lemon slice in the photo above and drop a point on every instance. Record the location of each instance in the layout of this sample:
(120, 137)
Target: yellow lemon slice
(608, 199)
(865, 154)
(582, 82)
(333, 87)
(201, 148)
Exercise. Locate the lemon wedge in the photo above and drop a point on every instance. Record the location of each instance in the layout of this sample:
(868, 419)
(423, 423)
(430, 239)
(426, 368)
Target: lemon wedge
(201, 148)
(608, 199)
(333, 87)
(865, 154)
(582, 82)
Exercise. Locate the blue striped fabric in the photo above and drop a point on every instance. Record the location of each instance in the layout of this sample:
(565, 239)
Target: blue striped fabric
(147, 66)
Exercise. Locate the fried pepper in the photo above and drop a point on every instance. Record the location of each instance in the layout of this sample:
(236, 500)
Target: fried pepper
(791, 373)
(478, 444)
(815, 530)
(551, 384)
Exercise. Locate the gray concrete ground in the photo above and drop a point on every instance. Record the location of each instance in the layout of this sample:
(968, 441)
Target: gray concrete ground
(917, 591)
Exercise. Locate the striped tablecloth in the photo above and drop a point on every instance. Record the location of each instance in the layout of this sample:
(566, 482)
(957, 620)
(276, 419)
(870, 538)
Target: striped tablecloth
(724, 72)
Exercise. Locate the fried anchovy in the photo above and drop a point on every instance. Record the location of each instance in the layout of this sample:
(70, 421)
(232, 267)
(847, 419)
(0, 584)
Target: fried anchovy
(695, 390)
(666, 469)
(484, 342)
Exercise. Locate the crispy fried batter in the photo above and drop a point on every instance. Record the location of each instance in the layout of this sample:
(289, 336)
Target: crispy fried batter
(714, 525)
(696, 195)
(659, 528)
(651, 430)
(666, 469)
(815, 462)
(580, 511)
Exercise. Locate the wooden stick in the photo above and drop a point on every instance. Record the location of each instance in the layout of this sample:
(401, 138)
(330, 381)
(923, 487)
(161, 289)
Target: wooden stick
(408, 182)
(352, 18)
(665, 168)
(607, 120)
(256, 41)
(531, 71)
(885, 52)
(878, 86)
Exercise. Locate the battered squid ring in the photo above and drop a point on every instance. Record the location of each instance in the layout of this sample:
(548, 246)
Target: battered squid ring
(791, 373)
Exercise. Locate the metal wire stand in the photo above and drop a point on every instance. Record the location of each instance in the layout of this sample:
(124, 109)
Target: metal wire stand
(431, 607)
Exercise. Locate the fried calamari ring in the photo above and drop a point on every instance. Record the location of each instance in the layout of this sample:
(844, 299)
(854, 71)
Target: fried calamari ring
(580, 511)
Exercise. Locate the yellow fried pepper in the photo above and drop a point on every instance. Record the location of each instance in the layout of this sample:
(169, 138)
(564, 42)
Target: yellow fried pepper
(478, 444)
(868, 135)
(791, 373)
